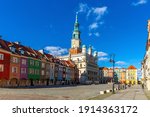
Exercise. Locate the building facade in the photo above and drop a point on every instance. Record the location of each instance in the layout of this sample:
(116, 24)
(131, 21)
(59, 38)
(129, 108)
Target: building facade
(23, 66)
(146, 61)
(85, 60)
(131, 75)
(121, 75)
(4, 63)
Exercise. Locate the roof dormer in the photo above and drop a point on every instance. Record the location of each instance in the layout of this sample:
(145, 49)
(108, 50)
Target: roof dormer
(12, 48)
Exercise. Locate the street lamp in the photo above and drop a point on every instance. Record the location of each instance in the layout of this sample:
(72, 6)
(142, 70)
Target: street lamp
(112, 60)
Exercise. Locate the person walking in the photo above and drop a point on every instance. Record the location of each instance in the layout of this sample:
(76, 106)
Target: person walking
(142, 85)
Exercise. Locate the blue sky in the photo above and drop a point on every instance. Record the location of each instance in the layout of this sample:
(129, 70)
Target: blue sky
(110, 26)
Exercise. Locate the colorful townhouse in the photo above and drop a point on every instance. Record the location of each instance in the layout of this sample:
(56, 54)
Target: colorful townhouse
(64, 71)
(45, 68)
(131, 75)
(56, 68)
(34, 66)
(23, 66)
(70, 71)
(51, 68)
(60, 72)
(122, 79)
(4, 63)
(14, 65)
(110, 75)
(103, 75)
(121, 75)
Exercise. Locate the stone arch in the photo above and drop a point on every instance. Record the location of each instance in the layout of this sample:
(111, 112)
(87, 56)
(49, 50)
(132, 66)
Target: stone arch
(3, 82)
(22, 82)
(13, 82)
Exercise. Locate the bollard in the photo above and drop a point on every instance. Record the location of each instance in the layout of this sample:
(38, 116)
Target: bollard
(101, 92)
(107, 91)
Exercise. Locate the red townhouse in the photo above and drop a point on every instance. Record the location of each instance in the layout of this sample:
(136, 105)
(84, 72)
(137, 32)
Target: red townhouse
(4, 63)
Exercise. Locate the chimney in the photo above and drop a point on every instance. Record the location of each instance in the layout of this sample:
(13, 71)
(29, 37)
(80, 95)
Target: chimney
(41, 51)
(17, 42)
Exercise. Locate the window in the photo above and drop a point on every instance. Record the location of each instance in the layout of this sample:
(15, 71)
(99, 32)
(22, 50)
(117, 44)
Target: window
(15, 60)
(1, 67)
(80, 65)
(24, 62)
(23, 70)
(12, 49)
(47, 73)
(1, 56)
(32, 62)
(47, 66)
(43, 65)
(14, 69)
(31, 71)
(22, 52)
(37, 72)
(37, 63)
(43, 72)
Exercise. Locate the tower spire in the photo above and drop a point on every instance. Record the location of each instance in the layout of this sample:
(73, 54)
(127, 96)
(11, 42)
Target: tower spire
(76, 41)
(76, 32)
(76, 17)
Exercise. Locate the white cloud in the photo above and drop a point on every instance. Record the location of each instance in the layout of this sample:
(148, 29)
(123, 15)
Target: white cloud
(99, 11)
(95, 13)
(97, 34)
(56, 51)
(102, 54)
(90, 34)
(93, 26)
(83, 8)
(121, 63)
(103, 59)
(139, 2)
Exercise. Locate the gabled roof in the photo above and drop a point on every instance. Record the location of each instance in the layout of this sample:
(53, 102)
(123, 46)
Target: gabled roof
(132, 67)
(70, 63)
(29, 52)
(103, 68)
(10, 44)
(4, 45)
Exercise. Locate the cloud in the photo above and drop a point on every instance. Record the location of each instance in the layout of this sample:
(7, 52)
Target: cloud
(99, 12)
(121, 63)
(93, 26)
(103, 59)
(102, 54)
(139, 2)
(55, 50)
(97, 34)
(95, 14)
(83, 8)
(90, 34)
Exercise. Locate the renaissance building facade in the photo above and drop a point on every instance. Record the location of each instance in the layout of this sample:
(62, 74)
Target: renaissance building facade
(84, 58)
(146, 61)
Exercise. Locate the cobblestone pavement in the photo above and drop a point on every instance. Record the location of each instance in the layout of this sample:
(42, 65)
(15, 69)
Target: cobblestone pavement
(55, 93)
(133, 93)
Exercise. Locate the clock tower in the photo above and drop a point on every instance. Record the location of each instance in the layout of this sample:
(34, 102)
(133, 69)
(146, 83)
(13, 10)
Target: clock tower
(76, 42)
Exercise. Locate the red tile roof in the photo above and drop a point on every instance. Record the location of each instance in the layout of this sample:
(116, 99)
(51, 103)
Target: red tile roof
(131, 67)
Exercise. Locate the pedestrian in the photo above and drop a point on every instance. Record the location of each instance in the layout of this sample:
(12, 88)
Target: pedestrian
(142, 85)
(123, 87)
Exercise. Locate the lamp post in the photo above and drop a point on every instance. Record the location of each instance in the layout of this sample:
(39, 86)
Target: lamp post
(112, 60)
